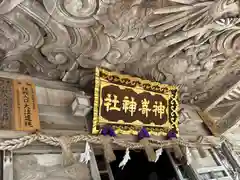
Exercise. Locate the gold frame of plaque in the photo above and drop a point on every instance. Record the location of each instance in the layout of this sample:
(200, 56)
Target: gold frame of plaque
(129, 103)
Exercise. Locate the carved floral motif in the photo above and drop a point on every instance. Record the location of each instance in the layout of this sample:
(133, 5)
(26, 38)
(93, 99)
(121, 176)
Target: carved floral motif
(185, 42)
(47, 167)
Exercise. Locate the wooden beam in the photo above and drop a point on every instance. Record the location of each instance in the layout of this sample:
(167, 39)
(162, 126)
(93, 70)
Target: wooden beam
(58, 117)
(55, 97)
(230, 121)
(224, 104)
(41, 82)
(209, 122)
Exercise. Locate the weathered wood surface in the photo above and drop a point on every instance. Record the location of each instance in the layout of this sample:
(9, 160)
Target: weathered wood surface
(232, 156)
(54, 117)
(48, 166)
(222, 115)
(56, 97)
(191, 123)
(41, 82)
(234, 137)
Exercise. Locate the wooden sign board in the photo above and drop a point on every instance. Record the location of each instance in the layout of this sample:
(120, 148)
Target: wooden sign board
(18, 105)
(128, 104)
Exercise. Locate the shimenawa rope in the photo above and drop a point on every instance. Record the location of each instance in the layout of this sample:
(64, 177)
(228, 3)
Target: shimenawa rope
(55, 141)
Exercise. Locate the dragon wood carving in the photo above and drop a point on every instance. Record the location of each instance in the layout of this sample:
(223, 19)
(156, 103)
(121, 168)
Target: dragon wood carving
(192, 43)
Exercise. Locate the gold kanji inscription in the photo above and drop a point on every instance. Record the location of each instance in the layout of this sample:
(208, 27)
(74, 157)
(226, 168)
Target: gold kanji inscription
(125, 104)
(158, 109)
(129, 105)
(144, 109)
(111, 104)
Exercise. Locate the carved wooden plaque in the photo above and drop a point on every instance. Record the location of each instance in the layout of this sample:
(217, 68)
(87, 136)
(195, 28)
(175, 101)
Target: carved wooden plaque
(128, 104)
(18, 105)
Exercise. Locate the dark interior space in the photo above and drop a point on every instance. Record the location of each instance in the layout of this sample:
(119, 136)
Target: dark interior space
(138, 168)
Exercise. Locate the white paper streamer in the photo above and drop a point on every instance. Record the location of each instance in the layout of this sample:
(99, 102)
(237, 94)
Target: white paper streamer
(85, 157)
(126, 158)
(158, 154)
(188, 156)
(236, 176)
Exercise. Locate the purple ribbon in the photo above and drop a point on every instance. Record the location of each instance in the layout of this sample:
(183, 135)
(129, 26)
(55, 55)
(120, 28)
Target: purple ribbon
(108, 130)
(143, 134)
(171, 134)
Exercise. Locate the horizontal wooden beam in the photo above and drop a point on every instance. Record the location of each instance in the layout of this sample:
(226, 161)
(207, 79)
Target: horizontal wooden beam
(41, 82)
(230, 121)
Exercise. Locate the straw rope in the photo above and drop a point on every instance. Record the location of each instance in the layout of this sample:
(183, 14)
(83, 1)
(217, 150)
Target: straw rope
(54, 141)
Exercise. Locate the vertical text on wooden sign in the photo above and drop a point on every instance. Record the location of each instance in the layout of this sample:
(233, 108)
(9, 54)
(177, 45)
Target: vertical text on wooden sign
(17, 121)
(6, 100)
(28, 111)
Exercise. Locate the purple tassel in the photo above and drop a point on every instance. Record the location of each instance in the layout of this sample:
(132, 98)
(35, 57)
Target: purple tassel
(143, 134)
(171, 135)
(108, 130)
(104, 131)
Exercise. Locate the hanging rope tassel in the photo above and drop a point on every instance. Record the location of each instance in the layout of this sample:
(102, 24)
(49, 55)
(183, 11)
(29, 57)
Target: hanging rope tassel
(201, 151)
(86, 156)
(177, 150)
(126, 158)
(67, 155)
(106, 138)
(143, 136)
